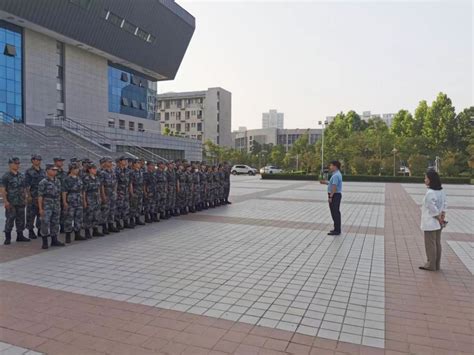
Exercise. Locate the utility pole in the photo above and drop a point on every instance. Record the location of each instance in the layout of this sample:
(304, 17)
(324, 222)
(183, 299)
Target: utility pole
(323, 124)
(394, 151)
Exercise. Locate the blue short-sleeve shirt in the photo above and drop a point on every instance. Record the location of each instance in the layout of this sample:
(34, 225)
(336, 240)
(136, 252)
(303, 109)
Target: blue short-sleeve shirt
(336, 179)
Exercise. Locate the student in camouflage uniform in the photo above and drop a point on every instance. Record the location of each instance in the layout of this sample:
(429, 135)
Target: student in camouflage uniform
(204, 186)
(181, 190)
(72, 187)
(227, 183)
(172, 180)
(108, 190)
(136, 193)
(188, 199)
(123, 187)
(60, 175)
(13, 191)
(150, 191)
(33, 176)
(161, 190)
(221, 185)
(49, 205)
(210, 187)
(92, 202)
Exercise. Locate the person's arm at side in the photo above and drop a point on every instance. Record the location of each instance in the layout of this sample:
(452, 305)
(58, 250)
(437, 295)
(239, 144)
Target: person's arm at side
(3, 192)
(430, 205)
(40, 199)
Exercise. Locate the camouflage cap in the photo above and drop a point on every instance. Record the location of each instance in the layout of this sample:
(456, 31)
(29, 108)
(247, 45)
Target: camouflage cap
(92, 166)
(14, 160)
(58, 159)
(123, 157)
(87, 161)
(36, 157)
(73, 166)
(51, 167)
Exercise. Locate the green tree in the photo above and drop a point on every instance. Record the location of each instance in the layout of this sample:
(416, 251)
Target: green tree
(402, 124)
(439, 123)
(277, 155)
(166, 131)
(419, 119)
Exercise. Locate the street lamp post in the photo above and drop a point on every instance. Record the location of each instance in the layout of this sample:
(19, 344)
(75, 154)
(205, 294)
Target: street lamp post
(394, 152)
(323, 124)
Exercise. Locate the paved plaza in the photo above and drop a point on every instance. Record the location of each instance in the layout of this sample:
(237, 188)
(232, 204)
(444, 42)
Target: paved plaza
(260, 276)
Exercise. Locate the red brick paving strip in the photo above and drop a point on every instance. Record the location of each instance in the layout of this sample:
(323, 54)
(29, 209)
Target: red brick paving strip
(425, 312)
(58, 322)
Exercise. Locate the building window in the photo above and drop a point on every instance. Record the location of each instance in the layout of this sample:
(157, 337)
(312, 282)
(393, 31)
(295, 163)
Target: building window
(167, 104)
(85, 4)
(199, 137)
(186, 127)
(11, 71)
(131, 126)
(193, 125)
(178, 115)
(199, 126)
(111, 123)
(10, 50)
(140, 100)
(167, 116)
(187, 115)
(178, 127)
(218, 117)
(125, 102)
(167, 125)
(122, 124)
(218, 128)
(140, 127)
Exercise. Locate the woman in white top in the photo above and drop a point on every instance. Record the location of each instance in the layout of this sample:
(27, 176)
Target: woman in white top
(433, 212)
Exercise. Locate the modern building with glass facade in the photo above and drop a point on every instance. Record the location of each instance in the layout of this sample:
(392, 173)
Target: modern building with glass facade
(97, 62)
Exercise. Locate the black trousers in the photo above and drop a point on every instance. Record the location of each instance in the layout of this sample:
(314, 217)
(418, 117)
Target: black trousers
(335, 212)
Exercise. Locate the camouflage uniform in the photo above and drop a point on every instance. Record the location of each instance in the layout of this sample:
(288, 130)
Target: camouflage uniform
(14, 185)
(204, 187)
(221, 185)
(210, 187)
(92, 213)
(181, 195)
(161, 191)
(226, 183)
(196, 191)
(50, 191)
(152, 197)
(73, 187)
(123, 184)
(188, 192)
(171, 178)
(108, 180)
(32, 180)
(136, 202)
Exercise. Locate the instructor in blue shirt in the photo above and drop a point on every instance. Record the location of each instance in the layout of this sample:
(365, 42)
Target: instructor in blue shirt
(335, 195)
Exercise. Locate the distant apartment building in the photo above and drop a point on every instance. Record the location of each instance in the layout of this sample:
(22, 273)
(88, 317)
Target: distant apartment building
(273, 119)
(366, 115)
(244, 140)
(202, 115)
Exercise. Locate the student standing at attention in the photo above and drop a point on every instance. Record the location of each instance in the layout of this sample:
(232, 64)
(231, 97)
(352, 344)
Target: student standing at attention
(335, 195)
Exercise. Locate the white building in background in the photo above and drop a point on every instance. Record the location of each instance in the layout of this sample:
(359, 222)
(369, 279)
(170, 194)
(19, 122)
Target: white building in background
(273, 119)
(366, 115)
(244, 140)
(202, 115)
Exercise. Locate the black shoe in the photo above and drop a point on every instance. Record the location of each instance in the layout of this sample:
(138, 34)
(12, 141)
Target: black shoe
(228, 202)
(148, 218)
(21, 238)
(61, 230)
(138, 222)
(8, 238)
(45, 243)
(78, 236)
(88, 233)
(334, 233)
(112, 228)
(68, 237)
(32, 234)
(105, 231)
(96, 233)
(131, 223)
(55, 242)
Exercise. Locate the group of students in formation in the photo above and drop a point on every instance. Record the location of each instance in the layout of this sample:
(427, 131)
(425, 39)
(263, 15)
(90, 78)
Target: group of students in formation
(107, 198)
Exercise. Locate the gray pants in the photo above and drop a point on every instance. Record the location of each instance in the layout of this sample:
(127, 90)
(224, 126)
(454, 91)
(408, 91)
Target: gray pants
(433, 249)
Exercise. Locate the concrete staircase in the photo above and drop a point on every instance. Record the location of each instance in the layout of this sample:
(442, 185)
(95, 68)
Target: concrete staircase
(20, 140)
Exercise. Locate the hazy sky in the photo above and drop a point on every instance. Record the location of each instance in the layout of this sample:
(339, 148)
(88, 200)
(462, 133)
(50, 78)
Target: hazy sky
(312, 59)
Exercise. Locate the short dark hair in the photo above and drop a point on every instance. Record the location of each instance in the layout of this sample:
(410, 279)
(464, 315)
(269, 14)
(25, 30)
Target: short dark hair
(336, 163)
(435, 180)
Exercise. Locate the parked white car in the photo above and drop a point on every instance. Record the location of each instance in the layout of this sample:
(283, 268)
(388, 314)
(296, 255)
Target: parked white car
(243, 169)
(270, 169)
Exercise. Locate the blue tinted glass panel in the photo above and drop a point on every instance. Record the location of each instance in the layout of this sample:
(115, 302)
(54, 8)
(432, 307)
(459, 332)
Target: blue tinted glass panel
(119, 89)
(11, 72)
